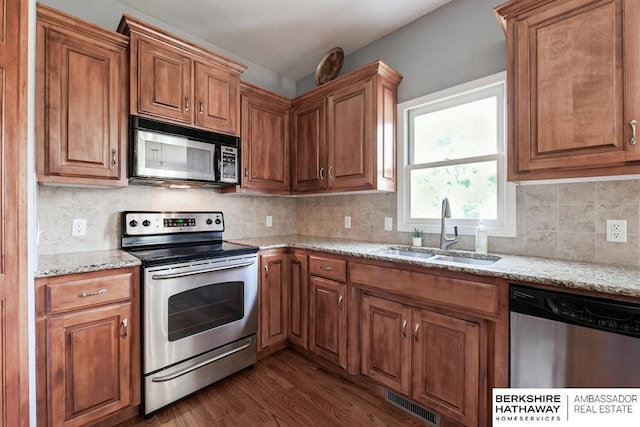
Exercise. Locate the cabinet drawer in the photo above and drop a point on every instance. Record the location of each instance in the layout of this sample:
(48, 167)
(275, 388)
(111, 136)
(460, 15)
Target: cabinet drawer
(330, 268)
(84, 290)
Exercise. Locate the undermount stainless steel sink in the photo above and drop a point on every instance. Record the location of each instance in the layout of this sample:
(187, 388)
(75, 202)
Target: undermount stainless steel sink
(448, 259)
(402, 252)
(462, 260)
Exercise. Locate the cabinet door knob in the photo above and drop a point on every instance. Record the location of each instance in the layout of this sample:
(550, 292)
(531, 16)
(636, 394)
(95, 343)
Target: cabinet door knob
(114, 157)
(186, 103)
(404, 328)
(634, 139)
(415, 331)
(125, 324)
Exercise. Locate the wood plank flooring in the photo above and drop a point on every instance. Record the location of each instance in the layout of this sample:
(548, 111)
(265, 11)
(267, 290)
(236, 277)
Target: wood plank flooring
(283, 390)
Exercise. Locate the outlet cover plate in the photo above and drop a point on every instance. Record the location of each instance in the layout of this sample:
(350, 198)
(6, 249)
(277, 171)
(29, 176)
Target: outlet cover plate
(617, 230)
(388, 223)
(79, 227)
(269, 221)
(347, 222)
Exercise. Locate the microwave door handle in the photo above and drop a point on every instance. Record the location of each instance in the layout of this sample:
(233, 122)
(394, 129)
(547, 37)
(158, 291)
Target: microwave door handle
(202, 271)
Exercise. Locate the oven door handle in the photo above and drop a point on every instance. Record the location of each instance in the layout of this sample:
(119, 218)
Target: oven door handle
(176, 374)
(204, 270)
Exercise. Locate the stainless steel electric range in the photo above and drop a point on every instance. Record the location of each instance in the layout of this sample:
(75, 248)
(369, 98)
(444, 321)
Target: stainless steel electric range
(199, 302)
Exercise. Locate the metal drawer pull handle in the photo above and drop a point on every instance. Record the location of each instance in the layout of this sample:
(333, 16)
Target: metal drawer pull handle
(321, 173)
(415, 331)
(186, 103)
(404, 328)
(327, 268)
(114, 158)
(330, 172)
(125, 323)
(204, 270)
(175, 374)
(91, 294)
(634, 139)
(201, 109)
(340, 300)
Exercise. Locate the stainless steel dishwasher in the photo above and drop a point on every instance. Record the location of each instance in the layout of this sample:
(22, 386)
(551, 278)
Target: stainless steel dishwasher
(560, 340)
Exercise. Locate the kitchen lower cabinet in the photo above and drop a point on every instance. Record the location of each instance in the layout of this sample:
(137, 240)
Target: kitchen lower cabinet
(431, 357)
(298, 298)
(445, 361)
(81, 114)
(328, 320)
(88, 347)
(274, 304)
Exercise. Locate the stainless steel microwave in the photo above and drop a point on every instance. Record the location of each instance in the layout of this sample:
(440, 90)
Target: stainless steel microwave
(167, 154)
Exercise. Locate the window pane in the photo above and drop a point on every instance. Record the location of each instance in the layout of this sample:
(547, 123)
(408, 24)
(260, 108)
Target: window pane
(465, 130)
(472, 190)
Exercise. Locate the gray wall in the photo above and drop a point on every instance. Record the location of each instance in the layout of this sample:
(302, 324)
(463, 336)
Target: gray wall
(107, 14)
(459, 42)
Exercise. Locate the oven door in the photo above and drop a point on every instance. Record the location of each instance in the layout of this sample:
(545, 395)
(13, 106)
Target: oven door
(196, 307)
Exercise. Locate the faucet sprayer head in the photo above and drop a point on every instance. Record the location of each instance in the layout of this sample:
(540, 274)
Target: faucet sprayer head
(446, 210)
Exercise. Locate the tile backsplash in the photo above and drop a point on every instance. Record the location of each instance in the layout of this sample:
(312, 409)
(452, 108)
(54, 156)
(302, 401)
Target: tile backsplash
(564, 221)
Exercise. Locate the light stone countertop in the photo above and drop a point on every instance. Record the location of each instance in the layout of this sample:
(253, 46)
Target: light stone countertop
(83, 262)
(610, 279)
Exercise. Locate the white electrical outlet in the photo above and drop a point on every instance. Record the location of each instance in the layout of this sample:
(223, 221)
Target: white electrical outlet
(269, 221)
(616, 230)
(79, 227)
(388, 223)
(347, 222)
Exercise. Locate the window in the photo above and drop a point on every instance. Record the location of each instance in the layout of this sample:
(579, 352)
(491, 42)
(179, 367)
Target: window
(452, 143)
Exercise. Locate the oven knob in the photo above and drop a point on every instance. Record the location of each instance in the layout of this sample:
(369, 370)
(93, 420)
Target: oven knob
(218, 221)
(146, 223)
(209, 221)
(133, 223)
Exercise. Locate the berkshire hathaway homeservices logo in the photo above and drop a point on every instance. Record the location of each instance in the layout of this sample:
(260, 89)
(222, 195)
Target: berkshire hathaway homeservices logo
(566, 407)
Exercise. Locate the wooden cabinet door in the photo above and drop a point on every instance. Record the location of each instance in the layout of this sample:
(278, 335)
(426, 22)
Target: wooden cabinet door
(88, 356)
(217, 99)
(164, 82)
(14, 347)
(328, 320)
(446, 365)
(298, 300)
(82, 120)
(309, 151)
(576, 71)
(265, 142)
(273, 299)
(351, 145)
(386, 343)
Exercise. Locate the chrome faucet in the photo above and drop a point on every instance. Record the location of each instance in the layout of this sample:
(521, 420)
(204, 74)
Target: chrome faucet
(446, 241)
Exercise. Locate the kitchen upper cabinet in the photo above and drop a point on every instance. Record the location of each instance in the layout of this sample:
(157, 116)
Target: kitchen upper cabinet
(274, 304)
(265, 141)
(88, 347)
(328, 308)
(81, 118)
(297, 267)
(309, 146)
(177, 81)
(344, 133)
(573, 75)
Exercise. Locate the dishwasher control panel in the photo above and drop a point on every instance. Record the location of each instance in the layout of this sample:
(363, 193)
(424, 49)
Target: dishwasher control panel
(599, 313)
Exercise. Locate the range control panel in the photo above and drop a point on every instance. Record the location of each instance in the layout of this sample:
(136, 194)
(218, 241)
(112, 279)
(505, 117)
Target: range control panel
(150, 223)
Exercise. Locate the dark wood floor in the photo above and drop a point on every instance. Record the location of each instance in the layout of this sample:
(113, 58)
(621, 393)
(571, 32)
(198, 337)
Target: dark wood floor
(282, 390)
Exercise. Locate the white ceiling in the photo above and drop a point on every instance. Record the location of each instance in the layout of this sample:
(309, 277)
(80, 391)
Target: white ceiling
(288, 37)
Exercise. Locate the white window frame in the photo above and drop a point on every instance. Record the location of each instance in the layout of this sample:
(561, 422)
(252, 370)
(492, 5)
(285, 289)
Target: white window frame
(505, 226)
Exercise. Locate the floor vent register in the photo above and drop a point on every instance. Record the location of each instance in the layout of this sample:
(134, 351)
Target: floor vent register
(412, 408)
